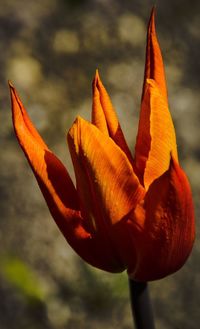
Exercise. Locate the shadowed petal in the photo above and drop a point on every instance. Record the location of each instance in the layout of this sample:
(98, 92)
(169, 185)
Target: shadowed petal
(104, 116)
(163, 226)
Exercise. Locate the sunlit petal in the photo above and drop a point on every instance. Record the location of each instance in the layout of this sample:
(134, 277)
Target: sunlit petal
(162, 134)
(104, 116)
(154, 68)
(156, 139)
(107, 185)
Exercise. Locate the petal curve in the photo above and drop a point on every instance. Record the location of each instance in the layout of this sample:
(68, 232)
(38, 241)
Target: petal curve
(104, 175)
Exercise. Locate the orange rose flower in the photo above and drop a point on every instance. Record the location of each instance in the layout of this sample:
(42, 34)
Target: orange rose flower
(133, 213)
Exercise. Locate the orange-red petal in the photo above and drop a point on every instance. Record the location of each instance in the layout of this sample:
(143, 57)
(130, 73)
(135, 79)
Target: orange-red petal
(59, 192)
(98, 116)
(154, 68)
(156, 139)
(47, 168)
(107, 185)
(104, 116)
(163, 226)
(52, 176)
(162, 133)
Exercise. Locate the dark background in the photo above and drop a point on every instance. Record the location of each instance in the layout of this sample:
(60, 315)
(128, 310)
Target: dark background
(50, 50)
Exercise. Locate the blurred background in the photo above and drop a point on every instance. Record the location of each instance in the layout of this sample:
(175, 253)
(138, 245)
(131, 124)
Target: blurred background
(50, 49)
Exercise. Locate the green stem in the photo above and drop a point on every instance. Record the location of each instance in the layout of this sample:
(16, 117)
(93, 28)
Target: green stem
(141, 305)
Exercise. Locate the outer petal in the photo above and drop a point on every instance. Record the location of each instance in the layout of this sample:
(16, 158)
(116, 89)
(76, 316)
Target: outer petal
(154, 68)
(104, 116)
(163, 226)
(59, 192)
(52, 176)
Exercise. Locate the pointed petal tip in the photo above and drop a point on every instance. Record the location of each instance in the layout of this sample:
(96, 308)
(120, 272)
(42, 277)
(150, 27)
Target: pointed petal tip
(12, 89)
(79, 119)
(97, 83)
(10, 84)
(97, 73)
(78, 122)
(151, 27)
(96, 79)
(13, 92)
(153, 11)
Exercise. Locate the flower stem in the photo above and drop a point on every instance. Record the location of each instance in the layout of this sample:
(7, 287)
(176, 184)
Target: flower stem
(141, 305)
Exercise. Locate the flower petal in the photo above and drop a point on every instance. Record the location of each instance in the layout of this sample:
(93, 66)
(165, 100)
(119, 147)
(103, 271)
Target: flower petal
(156, 138)
(151, 145)
(52, 177)
(98, 116)
(163, 226)
(48, 169)
(59, 191)
(154, 68)
(163, 138)
(104, 116)
(107, 186)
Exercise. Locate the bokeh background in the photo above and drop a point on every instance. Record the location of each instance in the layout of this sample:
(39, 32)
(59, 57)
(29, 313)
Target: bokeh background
(50, 50)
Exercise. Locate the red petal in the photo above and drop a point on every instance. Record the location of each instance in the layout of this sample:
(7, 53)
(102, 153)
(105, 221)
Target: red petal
(163, 227)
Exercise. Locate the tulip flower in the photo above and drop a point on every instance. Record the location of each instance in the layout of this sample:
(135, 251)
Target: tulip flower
(126, 212)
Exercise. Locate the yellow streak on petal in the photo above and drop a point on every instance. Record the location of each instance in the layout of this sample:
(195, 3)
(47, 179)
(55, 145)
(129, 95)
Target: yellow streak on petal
(107, 185)
(162, 134)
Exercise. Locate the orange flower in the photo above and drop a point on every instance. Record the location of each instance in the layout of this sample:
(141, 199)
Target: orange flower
(125, 213)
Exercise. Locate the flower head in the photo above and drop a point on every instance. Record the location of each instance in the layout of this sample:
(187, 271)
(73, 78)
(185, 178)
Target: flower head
(126, 212)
